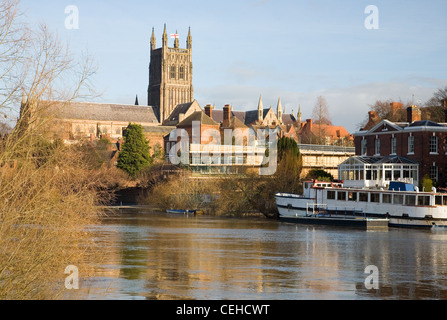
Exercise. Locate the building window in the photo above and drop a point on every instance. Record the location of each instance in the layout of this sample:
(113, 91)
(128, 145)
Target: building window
(434, 144)
(172, 72)
(377, 146)
(433, 174)
(181, 72)
(393, 145)
(364, 146)
(411, 144)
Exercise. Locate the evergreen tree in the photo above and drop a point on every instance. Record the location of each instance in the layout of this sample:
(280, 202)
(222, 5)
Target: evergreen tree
(134, 155)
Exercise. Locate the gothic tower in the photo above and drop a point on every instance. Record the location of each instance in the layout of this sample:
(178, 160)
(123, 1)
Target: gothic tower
(170, 75)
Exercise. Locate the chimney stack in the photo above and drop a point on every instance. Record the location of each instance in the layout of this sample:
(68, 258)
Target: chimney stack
(309, 123)
(413, 114)
(226, 115)
(373, 116)
(395, 107)
(209, 110)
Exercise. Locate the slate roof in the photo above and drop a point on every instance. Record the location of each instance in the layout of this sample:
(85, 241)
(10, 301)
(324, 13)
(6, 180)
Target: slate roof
(180, 108)
(104, 112)
(288, 118)
(197, 116)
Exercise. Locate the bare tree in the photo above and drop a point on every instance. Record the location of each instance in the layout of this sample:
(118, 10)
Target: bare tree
(437, 99)
(47, 194)
(321, 117)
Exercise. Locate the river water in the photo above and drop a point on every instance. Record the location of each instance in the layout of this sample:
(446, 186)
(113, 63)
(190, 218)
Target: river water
(165, 256)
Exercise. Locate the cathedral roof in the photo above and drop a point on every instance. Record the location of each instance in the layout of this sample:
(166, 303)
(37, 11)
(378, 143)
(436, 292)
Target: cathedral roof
(104, 112)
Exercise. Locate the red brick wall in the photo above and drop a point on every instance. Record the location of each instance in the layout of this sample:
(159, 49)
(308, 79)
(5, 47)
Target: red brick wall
(421, 150)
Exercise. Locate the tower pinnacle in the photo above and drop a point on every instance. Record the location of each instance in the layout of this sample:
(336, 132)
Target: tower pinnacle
(165, 37)
(153, 42)
(189, 40)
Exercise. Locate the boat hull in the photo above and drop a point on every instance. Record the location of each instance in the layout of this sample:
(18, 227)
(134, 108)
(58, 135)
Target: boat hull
(364, 223)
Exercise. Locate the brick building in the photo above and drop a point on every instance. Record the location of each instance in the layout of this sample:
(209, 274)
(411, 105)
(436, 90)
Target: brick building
(422, 141)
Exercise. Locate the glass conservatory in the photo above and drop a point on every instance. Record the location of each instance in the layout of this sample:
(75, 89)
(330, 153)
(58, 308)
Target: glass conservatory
(377, 172)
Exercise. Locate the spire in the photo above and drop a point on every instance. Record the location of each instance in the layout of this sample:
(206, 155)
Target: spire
(165, 37)
(279, 111)
(299, 114)
(260, 109)
(189, 40)
(153, 43)
(136, 100)
(176, 44)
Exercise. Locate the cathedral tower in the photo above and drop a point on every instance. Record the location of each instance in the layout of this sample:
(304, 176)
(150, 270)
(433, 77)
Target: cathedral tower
(170, 75)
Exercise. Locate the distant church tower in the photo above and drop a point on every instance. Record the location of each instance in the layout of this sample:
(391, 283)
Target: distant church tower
(170, 75)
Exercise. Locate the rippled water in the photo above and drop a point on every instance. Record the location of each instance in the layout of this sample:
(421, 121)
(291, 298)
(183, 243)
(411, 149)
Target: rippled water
(162, 256)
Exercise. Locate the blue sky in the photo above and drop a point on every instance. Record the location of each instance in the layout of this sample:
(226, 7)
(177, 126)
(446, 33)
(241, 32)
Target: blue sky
(296, 50)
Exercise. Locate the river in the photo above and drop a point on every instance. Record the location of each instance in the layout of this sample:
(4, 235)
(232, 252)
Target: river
(152, 255)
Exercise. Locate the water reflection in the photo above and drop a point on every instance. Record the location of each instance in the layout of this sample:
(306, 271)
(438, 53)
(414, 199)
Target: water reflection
(160, 256)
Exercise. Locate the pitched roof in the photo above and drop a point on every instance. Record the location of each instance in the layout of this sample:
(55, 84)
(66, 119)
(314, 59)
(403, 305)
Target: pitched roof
(380, 160)
(425, 123)
(217, 115)
(197, 116)
(103, 112)
(236, 123)
(327, 130)
(288, 118)
(180, 108)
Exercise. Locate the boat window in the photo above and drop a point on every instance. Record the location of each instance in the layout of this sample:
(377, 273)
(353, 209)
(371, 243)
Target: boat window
(375, 197)
(331, 195)
(352, 196)
(423, 200)
(438, 200)
(398, 199)
(386, 198)
(341, 195)
(363, 197)
(410, 200)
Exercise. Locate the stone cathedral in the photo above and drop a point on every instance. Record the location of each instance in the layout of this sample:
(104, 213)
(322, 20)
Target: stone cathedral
(170, 75)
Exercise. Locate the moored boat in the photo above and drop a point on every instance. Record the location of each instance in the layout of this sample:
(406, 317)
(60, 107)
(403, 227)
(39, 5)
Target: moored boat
(181, 211)
(401, 204)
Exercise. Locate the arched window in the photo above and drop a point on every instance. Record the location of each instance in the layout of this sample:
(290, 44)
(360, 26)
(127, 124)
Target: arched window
(172, 72)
